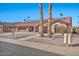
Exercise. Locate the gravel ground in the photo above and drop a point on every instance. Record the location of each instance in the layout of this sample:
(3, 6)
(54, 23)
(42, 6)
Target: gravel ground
(46, 40)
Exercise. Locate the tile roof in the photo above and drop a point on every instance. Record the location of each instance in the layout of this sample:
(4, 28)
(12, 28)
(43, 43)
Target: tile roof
(37, 23)
(27, 24)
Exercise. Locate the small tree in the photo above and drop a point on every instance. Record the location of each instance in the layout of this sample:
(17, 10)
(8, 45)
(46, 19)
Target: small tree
(62, 30)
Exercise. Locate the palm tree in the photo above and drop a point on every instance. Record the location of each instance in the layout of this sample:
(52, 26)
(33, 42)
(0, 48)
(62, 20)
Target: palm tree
(61, 14)
(24, 20)
(28, 17)
(49, 20)
(41, 21)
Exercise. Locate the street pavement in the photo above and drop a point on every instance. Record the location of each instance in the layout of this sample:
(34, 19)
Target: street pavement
(8, 49)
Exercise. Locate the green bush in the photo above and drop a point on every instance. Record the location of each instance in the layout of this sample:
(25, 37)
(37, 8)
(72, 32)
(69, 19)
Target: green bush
(62, 30)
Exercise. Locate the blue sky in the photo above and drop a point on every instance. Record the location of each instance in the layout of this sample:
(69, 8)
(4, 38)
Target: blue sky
(17, 12)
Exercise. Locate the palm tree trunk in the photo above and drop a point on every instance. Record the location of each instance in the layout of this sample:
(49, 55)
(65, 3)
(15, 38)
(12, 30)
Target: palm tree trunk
(49, 19)
(41, 21)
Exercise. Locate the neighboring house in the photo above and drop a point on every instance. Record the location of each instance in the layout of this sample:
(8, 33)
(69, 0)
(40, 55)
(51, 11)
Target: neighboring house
(6, 27)
(34, 26)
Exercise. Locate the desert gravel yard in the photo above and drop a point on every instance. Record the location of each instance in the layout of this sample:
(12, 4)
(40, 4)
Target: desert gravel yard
(46, 40)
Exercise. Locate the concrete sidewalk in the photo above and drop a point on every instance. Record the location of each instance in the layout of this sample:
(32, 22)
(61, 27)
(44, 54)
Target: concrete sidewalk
(73, 51)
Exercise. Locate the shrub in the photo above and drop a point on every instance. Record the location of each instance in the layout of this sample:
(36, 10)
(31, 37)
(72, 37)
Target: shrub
(62, 30)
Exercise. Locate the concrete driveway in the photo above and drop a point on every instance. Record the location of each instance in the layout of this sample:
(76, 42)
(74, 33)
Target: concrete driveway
(8, 49)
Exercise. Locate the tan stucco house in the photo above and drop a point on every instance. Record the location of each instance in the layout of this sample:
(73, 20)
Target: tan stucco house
(34, 26)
